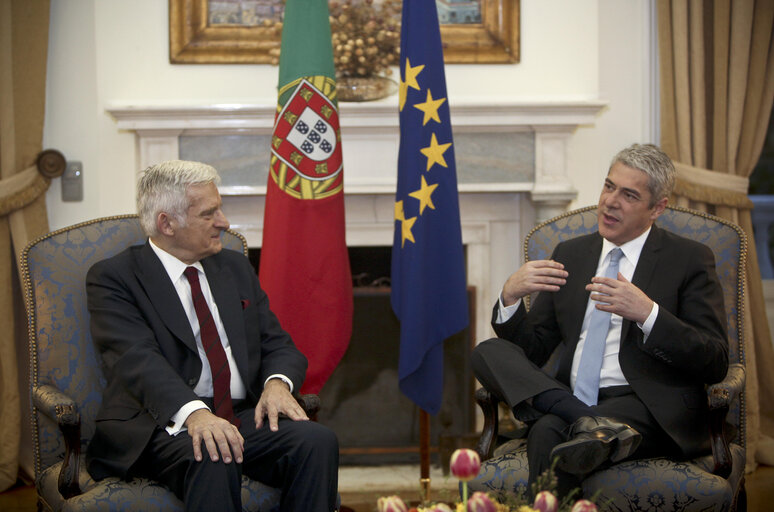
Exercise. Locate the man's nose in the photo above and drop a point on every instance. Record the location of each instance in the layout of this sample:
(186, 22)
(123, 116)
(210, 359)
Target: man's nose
(220, 220)
(612, 199)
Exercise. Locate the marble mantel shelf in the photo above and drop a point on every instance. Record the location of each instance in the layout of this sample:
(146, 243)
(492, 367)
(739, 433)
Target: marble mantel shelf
(371, 134)
(529, 115)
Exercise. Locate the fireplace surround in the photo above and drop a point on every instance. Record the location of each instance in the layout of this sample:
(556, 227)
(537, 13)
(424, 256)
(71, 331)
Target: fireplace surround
(512, 167)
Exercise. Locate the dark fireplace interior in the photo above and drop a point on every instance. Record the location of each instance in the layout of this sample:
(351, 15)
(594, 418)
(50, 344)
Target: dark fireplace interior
(361, 402)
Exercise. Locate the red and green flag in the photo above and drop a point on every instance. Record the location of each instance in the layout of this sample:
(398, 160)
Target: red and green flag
(304, 264)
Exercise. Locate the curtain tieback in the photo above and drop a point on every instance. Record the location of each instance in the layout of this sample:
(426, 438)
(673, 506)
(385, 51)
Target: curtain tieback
(713, 187)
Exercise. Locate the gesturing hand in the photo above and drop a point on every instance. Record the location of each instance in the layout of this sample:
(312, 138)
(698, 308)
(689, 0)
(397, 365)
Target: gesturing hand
(621, 297)
(218, 435)
(534, 276)
(276, 399)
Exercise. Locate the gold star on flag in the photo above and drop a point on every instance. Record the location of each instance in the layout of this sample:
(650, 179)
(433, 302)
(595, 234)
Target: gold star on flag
(411, 81)
(406, 233)
(430, 108)
(405, 224)
(399, 214)
(423, 195)
(434, 152)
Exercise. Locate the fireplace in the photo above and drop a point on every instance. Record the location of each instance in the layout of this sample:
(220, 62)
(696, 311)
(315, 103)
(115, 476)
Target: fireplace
(361, 402)
(512, 168)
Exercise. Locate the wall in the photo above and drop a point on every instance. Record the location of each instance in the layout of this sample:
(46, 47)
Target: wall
(108, 53)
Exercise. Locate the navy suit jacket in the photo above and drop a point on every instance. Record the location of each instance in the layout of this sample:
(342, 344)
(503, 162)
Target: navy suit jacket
(149, 354)
(686, 349)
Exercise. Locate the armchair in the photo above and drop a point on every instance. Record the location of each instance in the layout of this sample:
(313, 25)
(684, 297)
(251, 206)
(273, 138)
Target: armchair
(713, 482)
(66, 382)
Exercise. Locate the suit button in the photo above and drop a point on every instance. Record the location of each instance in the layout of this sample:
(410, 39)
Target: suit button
(191, 382)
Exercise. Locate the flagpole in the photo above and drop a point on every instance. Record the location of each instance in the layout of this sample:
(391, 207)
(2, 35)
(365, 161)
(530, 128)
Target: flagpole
(424, 454)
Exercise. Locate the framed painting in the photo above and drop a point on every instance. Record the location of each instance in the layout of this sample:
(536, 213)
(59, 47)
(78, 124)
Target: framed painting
(244, 31)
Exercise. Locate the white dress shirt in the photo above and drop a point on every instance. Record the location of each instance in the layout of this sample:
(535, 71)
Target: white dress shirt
(611, 373)
(175, 269)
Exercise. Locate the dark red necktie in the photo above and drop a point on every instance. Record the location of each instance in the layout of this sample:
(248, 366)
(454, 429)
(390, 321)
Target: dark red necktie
(221, 374)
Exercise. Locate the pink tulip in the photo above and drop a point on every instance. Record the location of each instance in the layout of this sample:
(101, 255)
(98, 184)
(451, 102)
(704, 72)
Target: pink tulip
(545, 502)
(465, 464)
(584, 506)
(480, 502)
(391, 504)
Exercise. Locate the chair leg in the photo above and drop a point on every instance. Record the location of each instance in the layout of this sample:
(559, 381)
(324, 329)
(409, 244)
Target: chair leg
(740, 502)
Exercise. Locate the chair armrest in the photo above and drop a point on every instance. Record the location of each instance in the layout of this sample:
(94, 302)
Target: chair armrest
(62, 409)
(723, 393)
(719, 397)
(310, 404)
(488, 404)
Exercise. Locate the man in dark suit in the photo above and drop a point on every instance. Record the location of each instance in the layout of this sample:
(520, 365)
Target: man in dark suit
(200, 374)
(634, 388)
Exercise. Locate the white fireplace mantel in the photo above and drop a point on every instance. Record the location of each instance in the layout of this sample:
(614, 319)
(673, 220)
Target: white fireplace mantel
(494, 216)
(370, 139)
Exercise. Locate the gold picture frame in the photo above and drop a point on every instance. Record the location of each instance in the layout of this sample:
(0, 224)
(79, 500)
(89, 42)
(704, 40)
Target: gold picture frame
(192, 40)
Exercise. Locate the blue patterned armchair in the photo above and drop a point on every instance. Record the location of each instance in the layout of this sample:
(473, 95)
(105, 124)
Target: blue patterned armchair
(710, 483)
(66, 381)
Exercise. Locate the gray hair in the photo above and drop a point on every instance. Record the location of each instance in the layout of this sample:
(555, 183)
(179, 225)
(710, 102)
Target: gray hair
(162, 188)
(651, 160)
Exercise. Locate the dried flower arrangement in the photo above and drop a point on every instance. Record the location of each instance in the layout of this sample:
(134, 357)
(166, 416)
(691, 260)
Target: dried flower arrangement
(366, 36)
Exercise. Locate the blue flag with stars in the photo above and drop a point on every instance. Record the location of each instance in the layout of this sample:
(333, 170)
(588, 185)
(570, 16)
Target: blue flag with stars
(428, 264)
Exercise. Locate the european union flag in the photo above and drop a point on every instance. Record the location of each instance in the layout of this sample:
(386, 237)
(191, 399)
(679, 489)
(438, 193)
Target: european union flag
(428, 265)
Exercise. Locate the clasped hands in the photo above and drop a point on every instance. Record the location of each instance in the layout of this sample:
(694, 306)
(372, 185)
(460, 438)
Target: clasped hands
(617, 296)
(221, 437)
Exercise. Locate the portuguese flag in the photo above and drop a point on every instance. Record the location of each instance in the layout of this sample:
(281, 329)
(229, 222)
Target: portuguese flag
(304, 264)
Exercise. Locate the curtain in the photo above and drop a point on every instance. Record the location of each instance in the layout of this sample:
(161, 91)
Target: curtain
(717, 86)
(23, 53)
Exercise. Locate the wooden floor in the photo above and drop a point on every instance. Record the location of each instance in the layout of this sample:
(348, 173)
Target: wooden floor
(760, 495)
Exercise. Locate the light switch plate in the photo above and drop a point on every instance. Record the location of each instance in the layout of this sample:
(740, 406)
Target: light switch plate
(72, 182)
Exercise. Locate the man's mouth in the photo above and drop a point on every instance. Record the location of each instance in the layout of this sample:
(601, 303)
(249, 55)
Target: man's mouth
(609, 219)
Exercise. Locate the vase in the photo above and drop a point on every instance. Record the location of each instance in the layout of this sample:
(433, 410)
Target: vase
(368, 88)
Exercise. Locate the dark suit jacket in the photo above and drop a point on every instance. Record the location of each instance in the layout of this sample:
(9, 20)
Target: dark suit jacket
(687, 348)
(148, 350)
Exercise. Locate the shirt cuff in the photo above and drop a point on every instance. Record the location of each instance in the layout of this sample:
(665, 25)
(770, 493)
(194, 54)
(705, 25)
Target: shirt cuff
(647, 326)
(282, 378)
(504, 313)
(177, 422)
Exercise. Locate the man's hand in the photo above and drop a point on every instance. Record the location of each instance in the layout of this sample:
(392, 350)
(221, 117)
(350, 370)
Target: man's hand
(534, 276)
(621, 297)
(218, 435)
(275, 400)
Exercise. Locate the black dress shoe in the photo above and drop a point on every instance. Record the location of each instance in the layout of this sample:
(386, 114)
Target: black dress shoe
(593, 441)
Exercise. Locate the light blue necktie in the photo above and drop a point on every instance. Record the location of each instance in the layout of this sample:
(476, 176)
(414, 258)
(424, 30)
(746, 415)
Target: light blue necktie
(587, 381)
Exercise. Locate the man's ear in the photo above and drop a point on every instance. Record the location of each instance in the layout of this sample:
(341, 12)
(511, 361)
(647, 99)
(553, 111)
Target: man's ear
(164, 223)
(659, 208)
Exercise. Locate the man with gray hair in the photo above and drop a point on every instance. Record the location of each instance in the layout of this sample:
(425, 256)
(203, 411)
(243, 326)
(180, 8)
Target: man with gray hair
(639, 315)
(200, 374)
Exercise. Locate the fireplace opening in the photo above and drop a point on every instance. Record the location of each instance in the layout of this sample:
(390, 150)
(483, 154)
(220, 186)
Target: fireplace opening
(375, 423)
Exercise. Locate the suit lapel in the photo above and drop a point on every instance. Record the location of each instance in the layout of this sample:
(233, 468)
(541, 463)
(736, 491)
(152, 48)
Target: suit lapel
(162, 294)
(646, 266)
(225, 292)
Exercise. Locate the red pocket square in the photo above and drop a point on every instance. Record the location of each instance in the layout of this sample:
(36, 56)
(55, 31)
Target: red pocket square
(245, 303)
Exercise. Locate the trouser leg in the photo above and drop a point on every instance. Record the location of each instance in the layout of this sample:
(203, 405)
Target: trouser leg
(202, 486)
(544, 434)
(504, 370)
(301, 459)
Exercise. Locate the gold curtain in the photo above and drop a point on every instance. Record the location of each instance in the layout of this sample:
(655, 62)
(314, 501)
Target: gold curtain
(717, 86)
(23, 54)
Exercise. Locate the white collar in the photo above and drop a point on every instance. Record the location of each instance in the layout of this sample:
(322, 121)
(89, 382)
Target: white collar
(172, 264)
